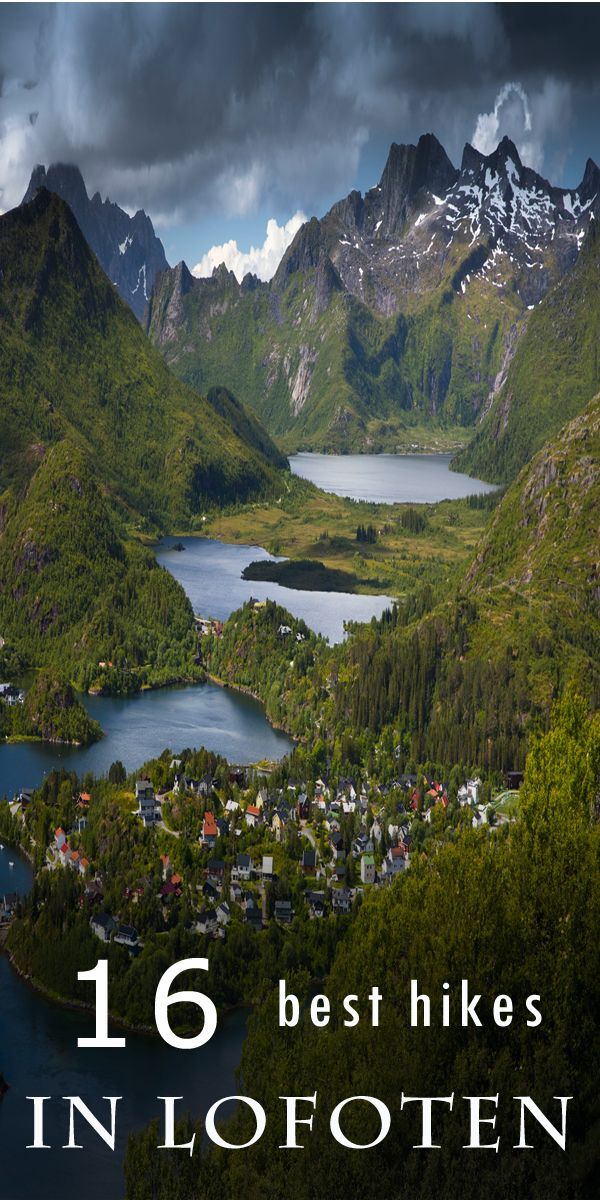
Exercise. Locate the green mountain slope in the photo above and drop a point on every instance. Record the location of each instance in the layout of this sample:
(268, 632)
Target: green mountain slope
(320, 367)
(555, 371)
(72, 592)
(391, 320)
(74, 362)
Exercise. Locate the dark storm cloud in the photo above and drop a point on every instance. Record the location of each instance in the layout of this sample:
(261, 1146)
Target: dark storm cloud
(186, 108)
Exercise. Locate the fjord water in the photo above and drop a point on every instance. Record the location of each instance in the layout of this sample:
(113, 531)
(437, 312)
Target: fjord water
(388, 478)
(211, 573)
(39, 1056)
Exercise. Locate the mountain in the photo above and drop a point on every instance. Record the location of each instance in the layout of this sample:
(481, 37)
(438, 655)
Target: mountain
(127, 248)
(75, 363)
(555, 371)
(395, 315)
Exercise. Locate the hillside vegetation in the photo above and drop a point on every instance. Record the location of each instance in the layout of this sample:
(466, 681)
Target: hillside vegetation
(555, 371)
(73, 592)
(74, 363)
(467, 677)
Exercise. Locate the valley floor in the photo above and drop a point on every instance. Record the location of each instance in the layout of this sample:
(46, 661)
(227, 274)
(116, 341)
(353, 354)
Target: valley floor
(412, 543)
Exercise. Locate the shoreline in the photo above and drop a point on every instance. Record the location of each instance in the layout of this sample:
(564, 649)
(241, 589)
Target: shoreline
(148, 1031)
(246, 691)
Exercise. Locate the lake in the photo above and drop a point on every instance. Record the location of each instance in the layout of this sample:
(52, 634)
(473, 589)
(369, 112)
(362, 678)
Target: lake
(39, 1056)
(388, 478)
(139, 727)
(210, 572)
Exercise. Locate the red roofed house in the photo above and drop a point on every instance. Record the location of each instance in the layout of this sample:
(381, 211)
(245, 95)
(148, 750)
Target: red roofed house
(253, 815)
(210, 832)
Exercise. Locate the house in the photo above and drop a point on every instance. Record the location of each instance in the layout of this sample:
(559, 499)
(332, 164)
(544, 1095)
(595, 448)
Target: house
(84, 865)
(126, 935)
(168, 891)
(60, 837)
(211, 891)
(253, 918)
(235, 892)
(223, 914)
(232, 806)
(362, 844)
(394, 862)
(283, 912)
(339, 872)
(404, 841)
(243, 867)
(280, 822)
(302, 807)
(309, 862)
(479, 818)
(147, 806)
(267, 866)
(341, 900)
(367, 868)
(93, 892)
(316, 903)
(210, 831)
(207, 922)
(215, 870)
(336, 842)
(103, 925)
(376, 832)
(253, 816)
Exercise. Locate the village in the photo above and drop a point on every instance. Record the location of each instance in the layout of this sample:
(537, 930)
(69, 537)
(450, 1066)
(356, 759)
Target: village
(260, 853)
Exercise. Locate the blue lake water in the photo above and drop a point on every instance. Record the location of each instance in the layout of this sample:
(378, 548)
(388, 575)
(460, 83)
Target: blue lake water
(388, 478)
(140, 727)
(211, 573)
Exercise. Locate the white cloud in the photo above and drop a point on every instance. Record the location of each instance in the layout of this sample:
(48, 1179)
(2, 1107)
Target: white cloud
(532, 120)
(260, 260)
(485, 138)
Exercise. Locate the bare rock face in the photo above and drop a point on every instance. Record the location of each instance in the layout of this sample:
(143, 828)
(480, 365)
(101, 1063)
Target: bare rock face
(127, 248)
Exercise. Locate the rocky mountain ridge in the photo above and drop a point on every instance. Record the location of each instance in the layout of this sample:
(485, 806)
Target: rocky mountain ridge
(399, 309)
(127, 248)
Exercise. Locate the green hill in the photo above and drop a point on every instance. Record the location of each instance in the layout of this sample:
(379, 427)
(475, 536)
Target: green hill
(75, 363)
(74, 593)
(555, 371)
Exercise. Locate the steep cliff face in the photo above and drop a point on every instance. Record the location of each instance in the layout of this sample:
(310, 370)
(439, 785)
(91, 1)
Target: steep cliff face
(127, 248)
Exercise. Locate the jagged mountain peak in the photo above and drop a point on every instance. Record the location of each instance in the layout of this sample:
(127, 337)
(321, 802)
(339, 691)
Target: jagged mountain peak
(126, 247)
(404, 302)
